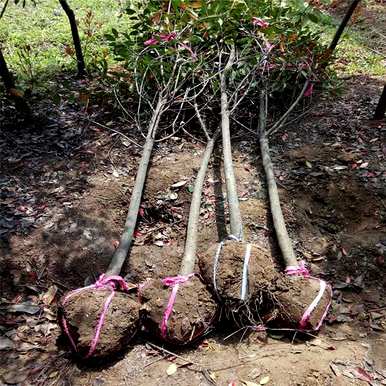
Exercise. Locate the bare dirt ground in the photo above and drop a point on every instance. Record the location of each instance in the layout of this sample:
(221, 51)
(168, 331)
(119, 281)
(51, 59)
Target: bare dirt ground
(63, 209)
(65, 186)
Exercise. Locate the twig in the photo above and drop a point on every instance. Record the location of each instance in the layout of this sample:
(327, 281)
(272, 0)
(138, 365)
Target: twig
(202, 123)
(114, 131)
(121, 105)
(188, 361)
(176, 119)
(282, 120)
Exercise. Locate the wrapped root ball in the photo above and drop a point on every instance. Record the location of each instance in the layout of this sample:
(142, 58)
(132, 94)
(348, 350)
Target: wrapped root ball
(178, 309)
(99, 321)
(237, 271)
(303, 302)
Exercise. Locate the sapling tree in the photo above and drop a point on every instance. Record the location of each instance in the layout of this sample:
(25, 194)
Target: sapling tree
(180, 309)
(305, 300)
(234, 268)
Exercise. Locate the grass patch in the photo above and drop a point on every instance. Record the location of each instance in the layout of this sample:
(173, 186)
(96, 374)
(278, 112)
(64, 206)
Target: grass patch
(362, 50)
(37, 40)
(38, 45)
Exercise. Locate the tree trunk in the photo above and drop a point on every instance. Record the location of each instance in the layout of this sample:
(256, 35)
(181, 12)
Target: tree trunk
(283, 238)
(75, 37)
(5, 74)
(343, 25)
(381, 108)
(122, 251)
(9, 84)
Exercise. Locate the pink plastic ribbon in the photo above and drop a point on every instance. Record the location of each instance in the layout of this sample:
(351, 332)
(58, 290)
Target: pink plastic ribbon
(174, 282)
(103, 282)
(301, 270)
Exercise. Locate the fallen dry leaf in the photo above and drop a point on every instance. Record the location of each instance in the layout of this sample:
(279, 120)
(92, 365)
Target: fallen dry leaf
(362, 374)
(25, 307)
(264, 380)
(179, 184)
(335, 369)
(248, 383)
(6, 343)
(319, 343)
(171, 369)
(49, 296)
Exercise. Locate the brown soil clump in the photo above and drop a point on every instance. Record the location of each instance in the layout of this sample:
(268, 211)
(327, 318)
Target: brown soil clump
(261, 270)
(194, 310)
(82, 312)
(294, 295)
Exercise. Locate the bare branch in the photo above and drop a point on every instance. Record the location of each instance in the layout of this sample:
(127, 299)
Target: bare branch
(282, 120)
(114, 131)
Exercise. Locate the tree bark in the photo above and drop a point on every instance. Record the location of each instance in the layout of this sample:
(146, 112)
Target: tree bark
(121, 252)
(381, 107)
(75, 37)
(236, 224)
(283, 238)
(189, 259)
(342, 26)
(5, 74)
(10, 88)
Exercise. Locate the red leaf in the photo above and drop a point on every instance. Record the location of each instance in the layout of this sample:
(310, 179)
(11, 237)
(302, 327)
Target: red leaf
(362, 374)
(137, 234)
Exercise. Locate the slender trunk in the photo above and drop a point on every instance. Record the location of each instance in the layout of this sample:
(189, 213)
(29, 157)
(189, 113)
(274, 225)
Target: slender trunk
(277, 214)
(381, 107)
(189, 259)
(236, 224)
(131, 220)
(75, 37)
(4, 8)
(343, 24)
(5, 74)
(9, 84)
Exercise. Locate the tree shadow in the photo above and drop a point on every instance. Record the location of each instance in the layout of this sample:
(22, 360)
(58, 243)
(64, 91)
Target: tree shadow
(219, 195)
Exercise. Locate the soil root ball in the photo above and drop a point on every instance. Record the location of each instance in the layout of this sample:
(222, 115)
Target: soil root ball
(82, 312)
(295, 299)
(193, 314)
(229, 273)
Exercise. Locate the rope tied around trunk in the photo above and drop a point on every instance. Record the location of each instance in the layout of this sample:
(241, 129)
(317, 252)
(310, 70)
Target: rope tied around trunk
(247, 255)
(174, 282)
(104, 282)
(302, 270)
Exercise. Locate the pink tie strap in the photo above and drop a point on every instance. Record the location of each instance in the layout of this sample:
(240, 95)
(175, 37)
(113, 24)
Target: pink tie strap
(301, 270)
(174, 282)
(307, 314)
(104, 282)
